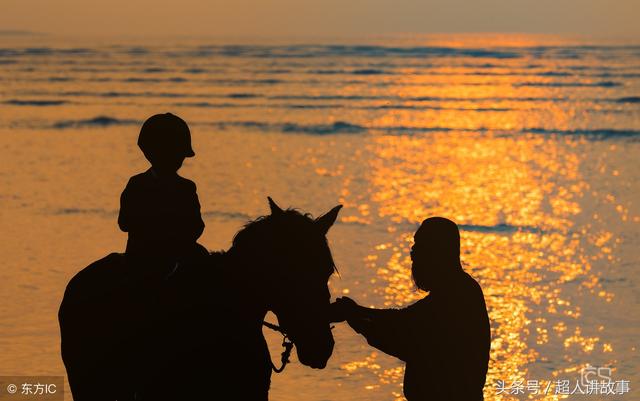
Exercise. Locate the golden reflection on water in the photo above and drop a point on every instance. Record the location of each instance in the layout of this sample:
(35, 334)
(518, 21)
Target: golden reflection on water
(513, 199)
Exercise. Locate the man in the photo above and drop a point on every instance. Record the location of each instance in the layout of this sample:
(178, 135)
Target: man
(445, 337)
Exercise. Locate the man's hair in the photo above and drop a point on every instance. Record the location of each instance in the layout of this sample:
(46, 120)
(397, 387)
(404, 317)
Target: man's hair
(442, 236)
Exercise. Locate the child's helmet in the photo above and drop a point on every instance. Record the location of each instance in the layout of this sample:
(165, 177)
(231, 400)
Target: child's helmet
(165, 132)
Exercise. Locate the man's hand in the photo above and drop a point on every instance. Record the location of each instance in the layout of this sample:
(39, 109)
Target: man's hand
(342, 309)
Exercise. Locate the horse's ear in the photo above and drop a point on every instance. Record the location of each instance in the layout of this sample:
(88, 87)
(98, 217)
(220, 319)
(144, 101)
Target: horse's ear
(275, 209)
(325, 221)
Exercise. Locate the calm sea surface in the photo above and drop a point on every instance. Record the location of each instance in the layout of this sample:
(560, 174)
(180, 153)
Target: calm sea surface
(531, 144)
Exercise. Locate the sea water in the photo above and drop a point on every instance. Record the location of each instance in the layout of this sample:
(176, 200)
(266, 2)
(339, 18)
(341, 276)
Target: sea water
(529, 143)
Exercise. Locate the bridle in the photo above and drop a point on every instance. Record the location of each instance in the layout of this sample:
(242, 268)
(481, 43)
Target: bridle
(286, 343)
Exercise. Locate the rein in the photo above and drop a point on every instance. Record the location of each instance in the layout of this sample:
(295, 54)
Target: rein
(286, 343)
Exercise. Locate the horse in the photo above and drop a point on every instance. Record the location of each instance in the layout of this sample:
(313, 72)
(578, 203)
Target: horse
(194, 331)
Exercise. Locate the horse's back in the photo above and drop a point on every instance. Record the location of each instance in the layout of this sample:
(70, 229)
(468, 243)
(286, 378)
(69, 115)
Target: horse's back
(95, 280)
(93, 286)
(89, 328)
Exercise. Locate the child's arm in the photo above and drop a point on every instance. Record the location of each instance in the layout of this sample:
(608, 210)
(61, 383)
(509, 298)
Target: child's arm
(123, 215)
(196, 223)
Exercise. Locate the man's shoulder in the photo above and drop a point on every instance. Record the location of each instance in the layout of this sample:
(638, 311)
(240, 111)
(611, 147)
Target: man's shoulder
(472, 283)
(470, 294)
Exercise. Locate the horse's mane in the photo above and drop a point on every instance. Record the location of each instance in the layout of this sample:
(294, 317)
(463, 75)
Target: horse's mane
(290, 225)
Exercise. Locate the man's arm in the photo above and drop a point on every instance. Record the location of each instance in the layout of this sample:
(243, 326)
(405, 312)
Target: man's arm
(386, 329)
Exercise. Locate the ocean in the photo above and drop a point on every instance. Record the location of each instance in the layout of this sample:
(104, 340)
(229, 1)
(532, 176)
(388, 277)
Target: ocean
(530, 143)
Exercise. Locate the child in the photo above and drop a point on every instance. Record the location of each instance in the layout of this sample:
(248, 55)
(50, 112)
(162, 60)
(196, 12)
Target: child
(443, 338)
(158, 208)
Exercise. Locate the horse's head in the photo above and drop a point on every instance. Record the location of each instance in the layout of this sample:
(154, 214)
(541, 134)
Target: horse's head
(289, 254)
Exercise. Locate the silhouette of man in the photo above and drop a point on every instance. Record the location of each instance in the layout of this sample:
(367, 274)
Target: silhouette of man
(445, 337)
(159, 209)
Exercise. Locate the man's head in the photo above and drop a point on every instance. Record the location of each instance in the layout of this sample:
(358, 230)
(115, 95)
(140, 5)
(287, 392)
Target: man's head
(435, 253)
(165, 140)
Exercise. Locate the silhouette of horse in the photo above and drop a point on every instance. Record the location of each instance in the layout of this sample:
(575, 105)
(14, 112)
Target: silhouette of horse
(196, 334)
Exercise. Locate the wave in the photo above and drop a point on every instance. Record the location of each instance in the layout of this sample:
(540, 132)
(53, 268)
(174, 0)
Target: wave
(116, 94)
(360, 71)
(528, 99)
(554, 74)
(276, 71)
(348, 106)
(602, 84)
(301, 51)
(423, 107)
(128, 80)
(195, 71)
(242, 95)
(210, 105)
(344, 127)
(338, 127)
(329, 97)
(317, 80)
(498, 228)
(436, 69)
(419, 98)
(18, 102)
(629, 99)
(255, 105)
(100, 121)
(419, 51)
(396, 101)
(309, 106)
(246, 81)
(327, 51)
(595, 133)
(319, 51)
(46, 51)
(73, 210)
(154, 70)
(137, 51)
(147, 80)
(339, 106)
(147, 94)
(617, 75)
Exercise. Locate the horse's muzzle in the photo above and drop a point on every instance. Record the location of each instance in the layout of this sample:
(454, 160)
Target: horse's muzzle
(315, 353)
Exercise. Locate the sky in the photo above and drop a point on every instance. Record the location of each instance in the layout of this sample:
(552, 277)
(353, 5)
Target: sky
(319, 18)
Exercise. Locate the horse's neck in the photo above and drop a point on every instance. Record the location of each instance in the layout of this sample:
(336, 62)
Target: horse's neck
(243, 286)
